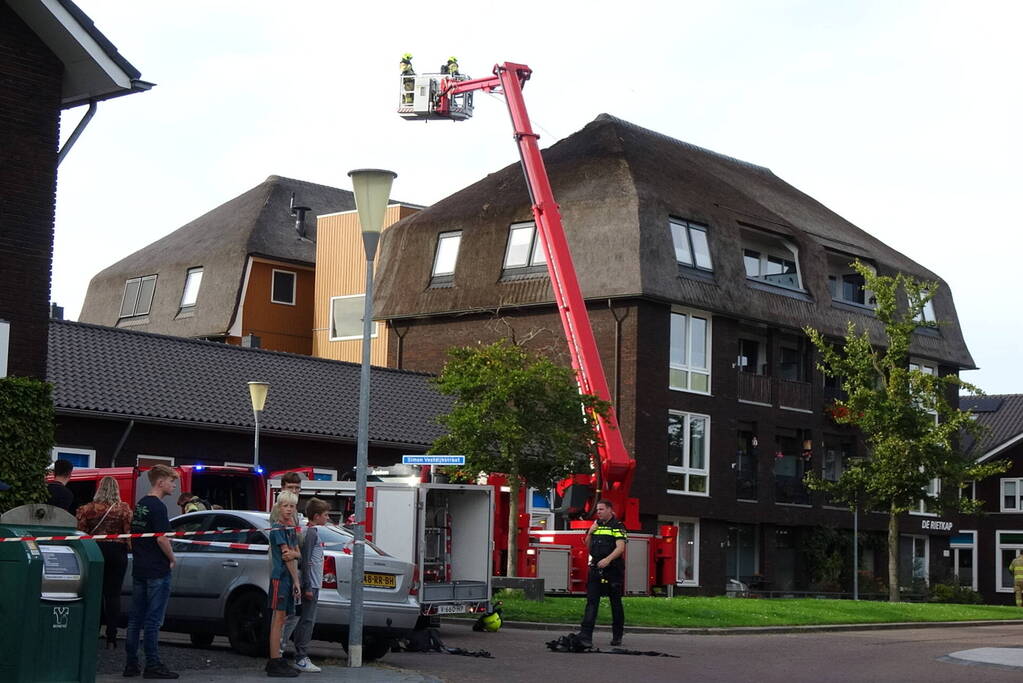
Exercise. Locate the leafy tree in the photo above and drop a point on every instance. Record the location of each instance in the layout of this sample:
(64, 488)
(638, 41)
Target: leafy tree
(910, 428)
(26, 437)
(516, 414)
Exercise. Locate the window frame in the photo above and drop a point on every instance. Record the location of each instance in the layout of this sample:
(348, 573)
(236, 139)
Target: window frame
(57, 451)
(441, 238)
(374, 332)
(531, 265)
(294, 286)
(135, 312)
(687, 469)
(1018, 482)
(189, 274)
(686, 227)
(687, 366)
(677, 522)
(838, 270)
(998, 567)
(958, 547)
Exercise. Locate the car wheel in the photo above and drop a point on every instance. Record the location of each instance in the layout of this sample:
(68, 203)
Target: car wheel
(373, 647)
(201, 639)
(248, 624)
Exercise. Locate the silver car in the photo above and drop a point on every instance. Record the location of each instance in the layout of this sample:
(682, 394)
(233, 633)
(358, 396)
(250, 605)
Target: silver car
(216, 590)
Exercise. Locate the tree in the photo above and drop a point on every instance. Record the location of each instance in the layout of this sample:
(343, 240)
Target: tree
(517, 414)
(26, 437)
(910, 427)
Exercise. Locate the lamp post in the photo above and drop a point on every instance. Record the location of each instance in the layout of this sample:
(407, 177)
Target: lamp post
(372, 188)
(257, 393)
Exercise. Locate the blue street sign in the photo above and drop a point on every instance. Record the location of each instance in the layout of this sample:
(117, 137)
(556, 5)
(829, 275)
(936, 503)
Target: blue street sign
(433, 460)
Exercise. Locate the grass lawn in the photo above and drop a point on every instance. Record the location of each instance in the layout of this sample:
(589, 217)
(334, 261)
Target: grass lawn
(723, 612)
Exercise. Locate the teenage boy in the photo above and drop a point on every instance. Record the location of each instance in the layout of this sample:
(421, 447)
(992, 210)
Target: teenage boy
(60, 494)
(152, 562)
(285, 591)
(317, 513)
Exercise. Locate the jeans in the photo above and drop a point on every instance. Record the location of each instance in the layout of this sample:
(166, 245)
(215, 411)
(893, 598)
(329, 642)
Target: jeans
(596, 586)
(148, 605)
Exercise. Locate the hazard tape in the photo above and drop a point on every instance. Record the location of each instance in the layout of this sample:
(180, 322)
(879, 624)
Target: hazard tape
(152, 534)
(256, 546)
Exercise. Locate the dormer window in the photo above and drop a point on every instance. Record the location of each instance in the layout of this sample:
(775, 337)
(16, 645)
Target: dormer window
(138, 296)
(927, 314)
(690, 240)
(447, 254)
(190, 294)
(845, 284)
(771, 259)
(524, 247)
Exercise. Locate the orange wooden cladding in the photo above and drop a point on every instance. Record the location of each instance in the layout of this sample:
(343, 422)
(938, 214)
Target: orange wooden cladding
(341, 271)
(280, 327)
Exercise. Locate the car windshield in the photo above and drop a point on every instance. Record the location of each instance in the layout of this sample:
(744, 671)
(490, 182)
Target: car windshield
(334, 534)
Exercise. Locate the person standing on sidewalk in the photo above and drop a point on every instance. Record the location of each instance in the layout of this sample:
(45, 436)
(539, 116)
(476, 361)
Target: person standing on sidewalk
(152, 562)
(606, 540)
(285, 585)
(317, 513)
(1016, 567)
(108, 514)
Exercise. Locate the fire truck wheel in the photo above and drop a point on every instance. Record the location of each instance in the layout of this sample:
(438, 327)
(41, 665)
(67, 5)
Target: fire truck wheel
(248, 623)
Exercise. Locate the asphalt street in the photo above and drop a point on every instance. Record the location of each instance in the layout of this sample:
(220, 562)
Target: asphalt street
(916, 654)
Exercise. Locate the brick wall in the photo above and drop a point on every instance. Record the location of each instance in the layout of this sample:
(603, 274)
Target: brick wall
(30, 83)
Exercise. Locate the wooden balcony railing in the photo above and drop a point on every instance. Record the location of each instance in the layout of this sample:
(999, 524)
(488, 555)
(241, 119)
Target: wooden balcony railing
(797, 395)
(755, 388)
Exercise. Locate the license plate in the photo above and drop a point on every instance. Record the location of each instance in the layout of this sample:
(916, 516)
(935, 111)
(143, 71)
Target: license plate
(379, 580)
(450, 609)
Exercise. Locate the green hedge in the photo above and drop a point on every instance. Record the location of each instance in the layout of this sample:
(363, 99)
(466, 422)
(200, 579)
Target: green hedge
(26, 437)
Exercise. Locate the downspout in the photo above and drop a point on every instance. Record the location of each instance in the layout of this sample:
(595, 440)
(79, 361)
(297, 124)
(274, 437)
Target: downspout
(400, 360)
(616, 371)
(120, 444)
(77, 132)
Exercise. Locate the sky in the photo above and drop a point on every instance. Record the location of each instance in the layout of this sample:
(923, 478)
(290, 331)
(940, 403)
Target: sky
(903, 117)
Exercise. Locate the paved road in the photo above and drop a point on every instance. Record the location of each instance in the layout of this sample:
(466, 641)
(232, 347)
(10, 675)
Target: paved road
(520, 655)
(860, 656)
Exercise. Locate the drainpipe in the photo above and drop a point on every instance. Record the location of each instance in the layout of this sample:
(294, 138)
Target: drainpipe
(77, 132)
(400, 360)
(120, 444)
(616, 371)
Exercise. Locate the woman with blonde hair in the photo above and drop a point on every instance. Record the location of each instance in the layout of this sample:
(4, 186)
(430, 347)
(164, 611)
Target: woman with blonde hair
(108, 514)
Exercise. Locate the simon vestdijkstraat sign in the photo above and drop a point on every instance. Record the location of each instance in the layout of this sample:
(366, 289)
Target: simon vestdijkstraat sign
(433, 460)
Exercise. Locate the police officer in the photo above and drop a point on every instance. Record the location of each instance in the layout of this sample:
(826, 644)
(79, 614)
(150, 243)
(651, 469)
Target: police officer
(606, 540)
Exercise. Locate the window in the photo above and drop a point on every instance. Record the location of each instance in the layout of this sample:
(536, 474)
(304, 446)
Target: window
(792, 361)
(914, 561)
(746, 463)
(191, 292)
(927, 314)
(283, 287)
(524, 248)
(447, 254)
(836, 462)
(847, 285)
(927, 369)
(190, 524)
(771, 259)
(688, 449)
(5, 346)
(752, 358)
(1009, 545)
(964, 558)
(928, 504)
(141, 459)
(1012, 495)
(791, 463)
(689, 354)
(690, 240)
(138, 296)
(346, 317)
(79, 457)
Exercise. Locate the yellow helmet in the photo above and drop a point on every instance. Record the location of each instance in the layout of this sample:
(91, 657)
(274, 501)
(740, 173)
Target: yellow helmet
(491, 622)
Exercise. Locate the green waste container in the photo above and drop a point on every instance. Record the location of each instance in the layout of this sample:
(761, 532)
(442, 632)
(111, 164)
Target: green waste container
(50, 605)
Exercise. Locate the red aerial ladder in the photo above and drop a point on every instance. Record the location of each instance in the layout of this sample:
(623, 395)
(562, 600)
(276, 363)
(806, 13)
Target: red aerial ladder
(449, 96)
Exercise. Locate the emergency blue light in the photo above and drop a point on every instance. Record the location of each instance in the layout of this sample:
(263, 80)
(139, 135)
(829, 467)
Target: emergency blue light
(199, 467)
(259, 470)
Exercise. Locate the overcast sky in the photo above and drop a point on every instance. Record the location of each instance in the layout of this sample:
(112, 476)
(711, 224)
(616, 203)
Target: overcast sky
(903, 117)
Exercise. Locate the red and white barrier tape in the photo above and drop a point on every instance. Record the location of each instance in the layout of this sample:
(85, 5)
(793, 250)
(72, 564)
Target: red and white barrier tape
(153, 534)
(347, 550)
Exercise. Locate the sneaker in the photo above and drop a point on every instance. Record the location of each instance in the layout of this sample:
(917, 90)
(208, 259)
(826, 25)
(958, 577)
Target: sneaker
(585, 641)
(158, 671)
(131, 670)
(278, 668)
(615, 642)
(305, 666)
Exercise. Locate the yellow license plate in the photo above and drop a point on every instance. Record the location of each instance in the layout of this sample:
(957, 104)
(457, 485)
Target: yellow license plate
(379, 580)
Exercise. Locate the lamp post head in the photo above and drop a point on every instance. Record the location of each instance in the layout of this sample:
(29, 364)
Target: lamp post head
(372, 189)
(257, 392)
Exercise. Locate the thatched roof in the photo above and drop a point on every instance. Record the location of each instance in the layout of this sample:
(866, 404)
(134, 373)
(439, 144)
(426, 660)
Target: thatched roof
(617, 184)
(257, 223)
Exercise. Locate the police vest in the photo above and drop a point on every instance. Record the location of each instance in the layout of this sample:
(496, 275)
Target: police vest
(604, 538)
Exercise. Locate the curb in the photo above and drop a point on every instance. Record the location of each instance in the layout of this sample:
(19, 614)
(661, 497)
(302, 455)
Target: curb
(752, 630)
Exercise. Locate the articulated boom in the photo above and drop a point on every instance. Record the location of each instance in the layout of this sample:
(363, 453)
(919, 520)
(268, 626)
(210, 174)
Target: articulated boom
(613, 475)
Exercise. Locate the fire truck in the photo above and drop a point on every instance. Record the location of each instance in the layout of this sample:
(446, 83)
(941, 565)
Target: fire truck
(558, 555)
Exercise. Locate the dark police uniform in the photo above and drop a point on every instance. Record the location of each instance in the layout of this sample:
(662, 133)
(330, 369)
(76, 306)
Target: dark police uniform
(609, 581)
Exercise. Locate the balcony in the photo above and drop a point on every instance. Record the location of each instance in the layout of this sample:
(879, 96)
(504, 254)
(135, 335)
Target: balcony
(791, 490)
(768, 391)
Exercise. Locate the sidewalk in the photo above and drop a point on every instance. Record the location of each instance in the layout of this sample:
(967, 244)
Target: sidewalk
(372, 674)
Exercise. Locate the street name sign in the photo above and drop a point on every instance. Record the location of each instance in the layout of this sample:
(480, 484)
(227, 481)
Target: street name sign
(433, 460)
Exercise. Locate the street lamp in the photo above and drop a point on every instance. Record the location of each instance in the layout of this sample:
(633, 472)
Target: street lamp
(372, 188)
(257, 393)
